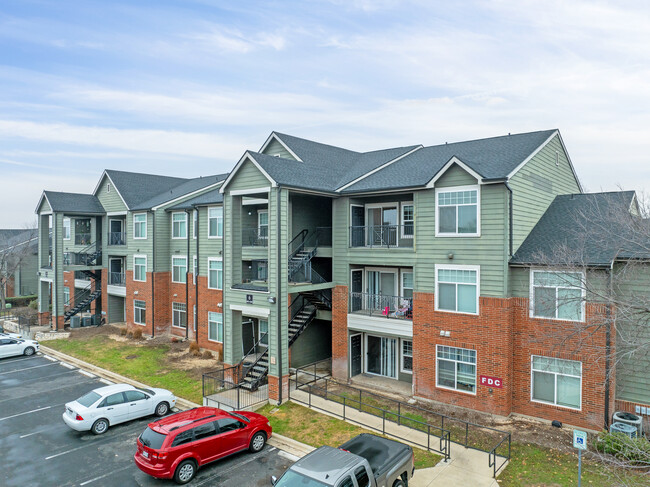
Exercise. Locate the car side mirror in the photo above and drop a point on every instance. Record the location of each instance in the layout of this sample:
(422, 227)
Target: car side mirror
(274, 480)
(147, 397)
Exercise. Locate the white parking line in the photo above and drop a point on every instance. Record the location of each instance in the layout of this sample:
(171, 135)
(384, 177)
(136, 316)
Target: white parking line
(106, 475)
(26, 368)
(26, 412)
(64, 452)
(248, 460)
(68, 366)
(52, 359)
(30, 434)
(288, 456)
(8, 361)
(87, 374)
(106, 381)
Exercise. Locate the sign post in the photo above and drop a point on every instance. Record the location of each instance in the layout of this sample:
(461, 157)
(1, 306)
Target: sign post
(579, 442)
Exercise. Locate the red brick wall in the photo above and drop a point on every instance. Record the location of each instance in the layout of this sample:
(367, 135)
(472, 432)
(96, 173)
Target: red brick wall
(274, 388)
(105, 295)
(68, 281)
(209, 300)
(340, 332)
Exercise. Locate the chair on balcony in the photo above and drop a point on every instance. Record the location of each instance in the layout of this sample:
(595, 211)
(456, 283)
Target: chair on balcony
(405, 310)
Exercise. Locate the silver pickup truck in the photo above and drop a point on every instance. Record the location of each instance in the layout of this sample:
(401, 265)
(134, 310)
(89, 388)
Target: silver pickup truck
(364, 461)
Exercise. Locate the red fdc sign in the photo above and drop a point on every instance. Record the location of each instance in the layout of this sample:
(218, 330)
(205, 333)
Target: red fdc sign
(490, 381)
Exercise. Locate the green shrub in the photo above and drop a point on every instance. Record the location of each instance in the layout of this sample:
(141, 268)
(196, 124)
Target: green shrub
(20, 301)
(34, 304)
(632, 450)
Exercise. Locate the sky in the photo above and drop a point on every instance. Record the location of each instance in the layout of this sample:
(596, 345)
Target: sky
(184, 88)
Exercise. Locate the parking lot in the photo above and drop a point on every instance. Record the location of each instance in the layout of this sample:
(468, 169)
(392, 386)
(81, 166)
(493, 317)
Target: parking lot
(38, 449)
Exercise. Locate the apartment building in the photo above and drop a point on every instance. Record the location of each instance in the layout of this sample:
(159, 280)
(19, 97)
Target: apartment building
(140, 249)
(18, 262)
(406, 265)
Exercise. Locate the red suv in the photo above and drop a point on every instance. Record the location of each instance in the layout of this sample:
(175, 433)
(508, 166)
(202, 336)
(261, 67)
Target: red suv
(177, 445)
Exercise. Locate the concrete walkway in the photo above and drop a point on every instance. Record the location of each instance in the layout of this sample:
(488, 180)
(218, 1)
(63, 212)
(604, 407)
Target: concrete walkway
(465, 466)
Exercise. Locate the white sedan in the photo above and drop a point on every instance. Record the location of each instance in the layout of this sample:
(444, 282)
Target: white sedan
(6, 334)
(10, 347)
(106, 406)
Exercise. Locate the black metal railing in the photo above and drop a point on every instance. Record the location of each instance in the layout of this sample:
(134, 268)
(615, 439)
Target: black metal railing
(495, 442)
(255, 237)
(220, 391)
(82, 238)
(380, 305)
(382, 236)
(117, 238)
(117, 278)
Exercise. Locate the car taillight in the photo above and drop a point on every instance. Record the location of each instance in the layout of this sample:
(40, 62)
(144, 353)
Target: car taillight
(78, 418)
(159, 456)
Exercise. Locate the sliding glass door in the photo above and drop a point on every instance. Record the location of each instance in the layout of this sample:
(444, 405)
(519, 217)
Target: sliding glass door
(381, 356)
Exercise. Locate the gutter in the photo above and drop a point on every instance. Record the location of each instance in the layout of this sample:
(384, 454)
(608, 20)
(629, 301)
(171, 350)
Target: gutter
(196, 276)
(279, 293)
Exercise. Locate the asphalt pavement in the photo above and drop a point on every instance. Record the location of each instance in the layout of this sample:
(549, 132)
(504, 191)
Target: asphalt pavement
(38, 449)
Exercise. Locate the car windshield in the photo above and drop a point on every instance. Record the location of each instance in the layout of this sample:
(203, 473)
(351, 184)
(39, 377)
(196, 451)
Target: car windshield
(151, 439)
(88, 399)
(294, 479)
(239, 416)
(146, 391)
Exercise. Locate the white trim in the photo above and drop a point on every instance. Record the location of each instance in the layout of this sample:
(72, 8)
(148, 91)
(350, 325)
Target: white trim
(69, 227)
(451, 162)
(40, 202)
(392, 327)
(252, 311)
(114, 290)
(146, 223)
(455, 389)
(139, 256)
(246, 156)
(365, 362)
(99, 183)
(222, 222)
(476, 268)
(244, 192)
(184, 257)
(532, 154)
(531, 295)
(254, 201)
(195, 269)
(362, 270)
(223, 330)
(180, 311)
(195, 219)
(401, 218)
(187, 230)
(46, 279)
(187, 195)
(386, 164)
(116, 213)
(555, 386)
(402, 271)
(216, 259)
(401, 356)
(456, 189)
(145, 311)
(286, 147)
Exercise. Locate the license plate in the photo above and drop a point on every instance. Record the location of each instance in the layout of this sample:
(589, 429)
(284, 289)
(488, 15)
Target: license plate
(145, 454)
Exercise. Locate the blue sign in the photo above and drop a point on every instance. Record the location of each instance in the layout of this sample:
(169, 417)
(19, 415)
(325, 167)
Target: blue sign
(579, 440)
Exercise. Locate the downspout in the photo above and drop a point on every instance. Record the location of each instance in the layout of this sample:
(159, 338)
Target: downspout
(153, 273)
(196, 276)
(279, 294)
(510, 225)
(608, 341)
(187, 275)
(55, 287)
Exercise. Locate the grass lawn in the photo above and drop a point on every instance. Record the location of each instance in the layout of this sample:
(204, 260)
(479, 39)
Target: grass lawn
(145, 364)
(316, 429)
(540, 466)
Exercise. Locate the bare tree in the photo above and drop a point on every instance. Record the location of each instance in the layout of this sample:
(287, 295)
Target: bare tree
(15, 246)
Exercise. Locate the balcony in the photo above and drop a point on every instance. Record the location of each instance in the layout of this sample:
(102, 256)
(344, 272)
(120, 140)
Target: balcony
(117, 279)
(82, 239)
(255, 237)
(382, 236)
(381, 306)
(117, 238)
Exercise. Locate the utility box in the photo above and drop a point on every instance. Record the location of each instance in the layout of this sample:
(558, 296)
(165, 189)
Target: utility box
(75, 321)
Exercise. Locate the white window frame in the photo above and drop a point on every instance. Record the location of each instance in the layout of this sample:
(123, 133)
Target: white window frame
(139, 256)
(262, 263)
(66, 290)
(259, 226)
(555, 388)
(135, 223)
(69, 226)
(217, 218)
(456, 189)
(401, 281)
(401, 354)
(184, 273)
(184, 221)
(475, 364)
(195, 268)
(135, 314)
(403, 204)
(195, 220)
(215, 259)
(174, 311)
(531, 297)
(476, 268)
(219, 323)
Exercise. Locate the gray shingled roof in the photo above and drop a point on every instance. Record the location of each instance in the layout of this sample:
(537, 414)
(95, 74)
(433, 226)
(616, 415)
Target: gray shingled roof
(137, 188)
(559, 229)
(211, 197)
(186, 187)
(74, 203)
(10, 237)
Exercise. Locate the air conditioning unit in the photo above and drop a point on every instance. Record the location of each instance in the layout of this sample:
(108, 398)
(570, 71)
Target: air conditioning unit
(629, 418)
(626, 429)
(75, 321)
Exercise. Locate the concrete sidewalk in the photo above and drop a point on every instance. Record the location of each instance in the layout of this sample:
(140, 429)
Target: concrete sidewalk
(465, 466)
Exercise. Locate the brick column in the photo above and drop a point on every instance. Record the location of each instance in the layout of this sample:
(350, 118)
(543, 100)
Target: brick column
(274, 389)
(340, 332)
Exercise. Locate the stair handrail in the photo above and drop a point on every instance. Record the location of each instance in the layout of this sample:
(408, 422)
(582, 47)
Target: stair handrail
(243, 359)
(255, 362)
(302, 235)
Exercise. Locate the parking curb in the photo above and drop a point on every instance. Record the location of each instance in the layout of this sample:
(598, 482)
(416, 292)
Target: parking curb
(290, 445)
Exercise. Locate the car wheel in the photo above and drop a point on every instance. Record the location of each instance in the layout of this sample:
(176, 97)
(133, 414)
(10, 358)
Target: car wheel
(257, 442)
(398, 483)
(29, 351)
(162, 409)
(185, 472)
(100, 426)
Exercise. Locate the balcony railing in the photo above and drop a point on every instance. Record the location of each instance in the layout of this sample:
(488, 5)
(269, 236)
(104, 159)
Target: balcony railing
(380, 305)
(117, 238)
(82, 239)
(382, 236)
(116, 278)
(255, 237)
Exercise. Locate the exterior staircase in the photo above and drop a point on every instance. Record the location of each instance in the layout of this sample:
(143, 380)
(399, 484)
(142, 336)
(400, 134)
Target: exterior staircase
(82, 304)
(90, 256)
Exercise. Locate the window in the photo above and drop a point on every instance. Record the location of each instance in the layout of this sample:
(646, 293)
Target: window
(195, 268)
(229, 424)
(457, 288)
(195, 222)
(457, 212)
(408, 216)
(140, 268)
(112, 400)
(262, 270)
(346, 482)
(134, 396)
(263, 223)
(556, 381)
(407, 285)
(215, 273)
(215, 222)
(66, 296)
(179, 225)
(66, 229)
(361, 474)
(407, 356)
(264, 332)
(205, 431)
(179, 269)
(179, 315)
(139, 312)
(215, 327)
(557, 295)
(140, 226)
(456, 368)
(183, 437)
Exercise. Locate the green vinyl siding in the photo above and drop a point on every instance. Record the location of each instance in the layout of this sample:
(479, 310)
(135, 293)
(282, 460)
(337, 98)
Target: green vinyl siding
(314, 344)
(455, 176)
(248, 177)
(110, 200)
(275, 148)
(535, 186)
(309, 212)
(26, 277)
(44, 207)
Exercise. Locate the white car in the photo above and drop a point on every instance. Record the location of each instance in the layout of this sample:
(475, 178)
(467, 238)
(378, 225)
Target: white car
(10, 347)
(6, 334)
(106, 406)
